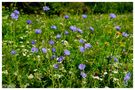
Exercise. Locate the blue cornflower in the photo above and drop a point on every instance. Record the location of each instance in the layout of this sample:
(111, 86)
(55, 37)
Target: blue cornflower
(92, 29)
(79, 30)
(16, 12)
(115, 59)
(124, 34)
(84, 16)
(38, 31)
(56, 66)
(44, 50)
(46, 8)
(66, 52)
(84, 75)
(82, 49)
(13, 52)
(34, 49)
(60, 59)
(126, 78)
(81, 41)
(14, 16)
(33, 42)
(81, 66)
(73, 28)
(66, 32)
(53, 27)
(58, 36)
(53, 50)
(51, 42)
(112, 15)
(66, 16)
(87, 46)
(28, 21)
(53, 56)
(117, 28)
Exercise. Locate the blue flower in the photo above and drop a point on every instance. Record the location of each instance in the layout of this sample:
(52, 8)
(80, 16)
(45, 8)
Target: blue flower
(92, 29)
(16, 12)
(81, 66)
(53, 56)
(56, 66)
(124, 34)
(53, 27)
(126, 78)
(66, 16)
(14, 16)
(13, 52)
(58, 36)
(84, 75)
(60, 59)
(115, 59)
(44, 50)
(34, 49)
(82, 49)
(66, 52)
(79, 30)
(84, 16)
(51, 42)
(33, 42)
(112, 15)
(81, 41)
(38, 31)
(117, 28)
(28, 21)
(66, 32)
(87, 46)
(73, 28)
(53, 50)
(46, 8)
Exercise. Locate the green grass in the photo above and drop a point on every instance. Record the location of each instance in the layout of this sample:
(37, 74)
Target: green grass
(105, 41)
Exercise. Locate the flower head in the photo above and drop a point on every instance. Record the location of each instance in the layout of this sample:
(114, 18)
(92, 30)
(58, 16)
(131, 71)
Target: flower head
(87, 45)
(124, 34)
(53, 56)
(115, 59)
(66, 16)
(73, 28)
(33, 42)
(66, 32)
(117, 28)
(127, 76)
(81, 41)
(53, 27)
(38, 31)
(46, 8)
(84, 16)
(81, 66)
(82, 49)
(60, 59)
(34, 49)
(84, 75)
(28, 21)
(56, 66)
(16, 12)
(92, 29)
(51, 42)
(66, 52)
(14, 16)
(79, 30)
(13, 52)
(53, 50)
(58, 36)
(44, 50)
(112, 15)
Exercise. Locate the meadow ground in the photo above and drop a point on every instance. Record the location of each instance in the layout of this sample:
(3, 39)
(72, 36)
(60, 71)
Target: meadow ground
(87, 52)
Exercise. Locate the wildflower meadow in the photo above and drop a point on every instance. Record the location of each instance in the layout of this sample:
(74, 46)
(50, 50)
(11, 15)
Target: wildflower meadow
(69, 50)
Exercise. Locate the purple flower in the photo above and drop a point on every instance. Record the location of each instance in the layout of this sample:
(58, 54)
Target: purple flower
(84, 16)
(115, 59)
(66, 16)
(87, 46)
(84, 75)
(60, 59)
(58, 36)
(81, 41)
(66, 32)
(81, 66)
(33, 42)
(53, 27)
(53, 56)
(117, 28)
(34, 49)
(14, 16)
(92, 29)
(82, 49)
(38, 31)
(51, 42)
(46, 8)
(79, 30)
(124, 34)
(56, 66)
(112, 15)
(53, 50)
(28, 21)
(16, 12)
(13, 52)
(127, 76)
(73, 28)
(66, 52)
(44, 50)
